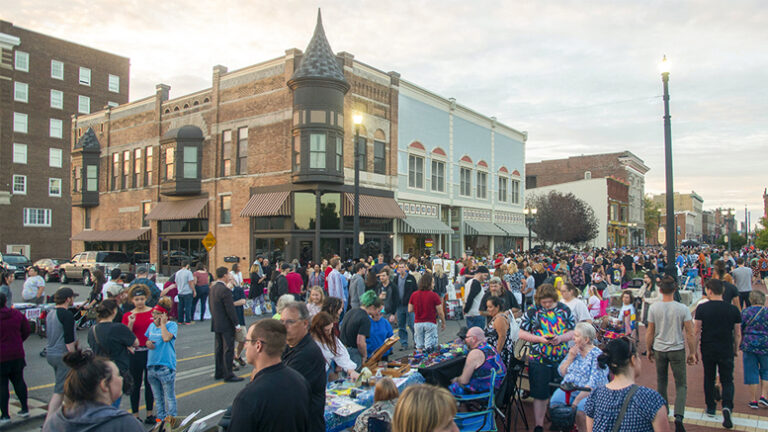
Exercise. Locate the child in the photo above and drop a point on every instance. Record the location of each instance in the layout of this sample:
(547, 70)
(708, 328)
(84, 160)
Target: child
(594, 304)
(315, 303)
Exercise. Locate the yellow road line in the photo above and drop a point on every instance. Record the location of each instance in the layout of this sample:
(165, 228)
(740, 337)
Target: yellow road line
(203, 388)
(40, 387)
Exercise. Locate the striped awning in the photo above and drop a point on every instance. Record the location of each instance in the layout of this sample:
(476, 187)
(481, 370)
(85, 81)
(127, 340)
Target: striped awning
(372, 206)
(179, 210)
(268, 204)
(482, 228)
(423, 225)
(514, 230)
(112, 235)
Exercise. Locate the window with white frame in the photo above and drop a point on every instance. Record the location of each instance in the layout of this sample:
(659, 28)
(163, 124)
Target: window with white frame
(438, 176)
(54, 187)
(317, 151)
(54, 158)
(515, 191)
(57, 69)
(415, 171)
(21, 62)
(57, 99)
(55, 128)
(482, 184)
(465, 183)
(83, 104)
(502, 189)
(19, 185)
(20, 92)
(19, 153)
(114, 83)
(85, 76)
(20, 122)
(91, 178)
(37, 217)
(112, 104)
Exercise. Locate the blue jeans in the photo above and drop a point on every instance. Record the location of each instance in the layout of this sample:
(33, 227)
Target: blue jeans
(162, 379)
(755, 368)
(404, 319)
(185, 308)
(425, 336)
(202, 296)
(475, 321)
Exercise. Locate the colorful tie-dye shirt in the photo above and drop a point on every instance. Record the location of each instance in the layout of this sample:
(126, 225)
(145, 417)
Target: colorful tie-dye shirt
(548, 323)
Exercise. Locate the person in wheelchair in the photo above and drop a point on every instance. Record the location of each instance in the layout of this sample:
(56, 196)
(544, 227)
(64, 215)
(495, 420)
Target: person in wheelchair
(481, 360)
(580, 369)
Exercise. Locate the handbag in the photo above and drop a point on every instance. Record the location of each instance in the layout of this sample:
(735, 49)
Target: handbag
(632, 390)
(127, 377)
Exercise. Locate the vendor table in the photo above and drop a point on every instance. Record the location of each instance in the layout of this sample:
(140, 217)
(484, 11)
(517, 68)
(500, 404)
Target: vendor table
(442, 373)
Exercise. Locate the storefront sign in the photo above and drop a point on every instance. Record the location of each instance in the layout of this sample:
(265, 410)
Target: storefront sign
(428, 243)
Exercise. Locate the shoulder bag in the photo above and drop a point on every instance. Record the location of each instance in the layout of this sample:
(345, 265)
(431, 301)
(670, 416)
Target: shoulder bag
(127, 377)
(632, 390)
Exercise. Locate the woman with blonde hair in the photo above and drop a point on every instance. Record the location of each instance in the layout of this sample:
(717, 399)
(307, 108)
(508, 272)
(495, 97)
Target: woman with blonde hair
(441, 280)
(425, 408)
(281, 303)
(384, 400)
(514, 279)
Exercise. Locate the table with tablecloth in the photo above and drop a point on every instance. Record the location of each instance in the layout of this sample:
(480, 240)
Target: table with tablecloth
(442, 373)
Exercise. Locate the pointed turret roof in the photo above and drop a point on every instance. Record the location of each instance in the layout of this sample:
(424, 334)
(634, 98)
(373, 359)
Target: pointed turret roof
(88, 141)
(318, 60)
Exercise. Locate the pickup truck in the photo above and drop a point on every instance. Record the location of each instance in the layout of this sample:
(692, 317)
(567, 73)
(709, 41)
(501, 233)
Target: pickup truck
(84, 263)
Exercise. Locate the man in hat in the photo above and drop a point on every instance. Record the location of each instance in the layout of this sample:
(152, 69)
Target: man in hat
(142, 277)
(474, 290)
(60, 328)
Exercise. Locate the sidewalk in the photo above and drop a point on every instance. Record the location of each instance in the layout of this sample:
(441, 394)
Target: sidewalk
(37, 411)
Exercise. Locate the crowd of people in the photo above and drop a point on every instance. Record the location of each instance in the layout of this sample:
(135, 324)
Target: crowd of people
(329, 317)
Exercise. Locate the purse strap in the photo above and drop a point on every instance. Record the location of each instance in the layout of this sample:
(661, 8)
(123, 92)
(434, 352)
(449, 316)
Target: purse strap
(632, 390)
(754, 317)
(96, 336)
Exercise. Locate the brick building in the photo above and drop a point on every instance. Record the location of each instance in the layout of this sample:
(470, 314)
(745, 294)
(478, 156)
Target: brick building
(624, 166)
(692, 204)
(44, 81)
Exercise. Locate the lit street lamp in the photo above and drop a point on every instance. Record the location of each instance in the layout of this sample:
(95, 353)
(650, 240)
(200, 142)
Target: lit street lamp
(671, 232)
(357, 119)
(530, 215)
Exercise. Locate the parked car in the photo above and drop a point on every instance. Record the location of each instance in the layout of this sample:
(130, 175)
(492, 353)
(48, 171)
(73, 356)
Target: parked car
(84, 263)
(49, 268)
(17, 263)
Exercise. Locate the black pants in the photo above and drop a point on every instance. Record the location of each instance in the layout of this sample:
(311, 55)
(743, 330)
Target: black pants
(744, 299)
(202, 297)
(138, 368)
(718, 361)
(13, 371)
(224, 354)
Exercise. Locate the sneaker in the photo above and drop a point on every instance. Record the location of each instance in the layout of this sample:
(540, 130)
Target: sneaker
(763, 401)
(754, 405)
(23, 414)
(150, 420)
(679, 424)
(4, 421)
(727, 423)
(710, 412)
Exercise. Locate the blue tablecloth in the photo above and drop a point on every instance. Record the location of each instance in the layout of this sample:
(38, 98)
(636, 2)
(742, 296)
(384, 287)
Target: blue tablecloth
(336, 423)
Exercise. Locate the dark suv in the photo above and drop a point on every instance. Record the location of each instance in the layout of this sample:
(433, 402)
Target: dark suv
(17, 263)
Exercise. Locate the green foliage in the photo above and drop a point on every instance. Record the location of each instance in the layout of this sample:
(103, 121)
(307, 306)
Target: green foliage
(737, 241)
(761, 236)
(563, 218)
(651, 217)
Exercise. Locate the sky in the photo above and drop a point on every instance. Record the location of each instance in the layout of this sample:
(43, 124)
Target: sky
(581, 77)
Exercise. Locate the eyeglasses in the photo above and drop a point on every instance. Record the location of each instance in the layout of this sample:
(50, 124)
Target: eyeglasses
(288, 322)
(253, 341)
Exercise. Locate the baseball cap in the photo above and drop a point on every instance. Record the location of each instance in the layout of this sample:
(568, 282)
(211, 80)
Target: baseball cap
(482, 269)
(462, 332)
(285, 266)
(62, 294)
(142, 270)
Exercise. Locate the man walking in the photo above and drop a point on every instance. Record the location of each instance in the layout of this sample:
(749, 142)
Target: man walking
(295, 282)
(60, 328)
(474, 293)
(357, 285)
(335, 282)
(185, 283)
(719, 324)
(666, 345)
(398, 297)
(742, 278)
(223, 325)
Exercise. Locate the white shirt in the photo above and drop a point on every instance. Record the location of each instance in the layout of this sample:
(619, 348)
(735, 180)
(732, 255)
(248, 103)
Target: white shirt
(342, 358)
(237, 278)
(578, 309)
(31, 285)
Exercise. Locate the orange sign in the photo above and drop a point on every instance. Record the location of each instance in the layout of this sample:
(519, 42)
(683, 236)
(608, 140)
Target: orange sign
(209, 241)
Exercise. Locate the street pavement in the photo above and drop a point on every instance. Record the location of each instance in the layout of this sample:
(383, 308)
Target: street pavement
(197, 390)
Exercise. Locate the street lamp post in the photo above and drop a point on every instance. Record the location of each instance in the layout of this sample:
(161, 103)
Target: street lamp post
(530, 214)
(671, 232)
(728, 228)
(357, 119)
(658, 224)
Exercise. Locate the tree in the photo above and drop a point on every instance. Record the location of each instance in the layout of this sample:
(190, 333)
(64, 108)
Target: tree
(563, 218)
(737, 241)
(761, 236)
(651, 218)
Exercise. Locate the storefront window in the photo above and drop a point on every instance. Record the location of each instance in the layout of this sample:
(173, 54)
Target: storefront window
(271, 223)
(329, 247)
(304, 212)
(184, 226)
(271, 248)
(330, 207)
(477, 245)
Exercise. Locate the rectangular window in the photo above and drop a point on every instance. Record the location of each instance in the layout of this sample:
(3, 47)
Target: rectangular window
(127, 169)
(614, 212)
(339, 154)
(57, 69)
(76, 173)
(226, 153)
(190, 162)
(502, 189)
(466, 182)
(19, 185)
(137, 168)
(148, 167)
(37, 217)
(87, 218)
(19, 153)
(115, 170)
(415, 171)
(85, 76)
(296, 153)
(242, 150)
(170, 163)
(20, 92)
(145, 207)
(112, 104)
(92, 178)
(482, 185)
(57, 99)
(55, 128)
(379, 157)
(22, 61)
(515, 191)
(362, 153)
(438, 176)
(226, 209)
(114, 83)
(83, 104)
(54, 187)
(317, 151)
(55, 158)
(20, 122)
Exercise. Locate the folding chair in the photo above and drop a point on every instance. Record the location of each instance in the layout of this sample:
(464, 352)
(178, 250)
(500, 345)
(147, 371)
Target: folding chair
(483, 420)
(509, 403)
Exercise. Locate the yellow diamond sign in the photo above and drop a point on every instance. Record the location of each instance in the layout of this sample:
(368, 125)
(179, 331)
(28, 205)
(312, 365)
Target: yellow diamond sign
(209, 241)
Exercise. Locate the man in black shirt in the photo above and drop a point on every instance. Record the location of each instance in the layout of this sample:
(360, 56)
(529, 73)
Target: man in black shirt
(719, 324)
(304, 356)
(277, 398)
(356, 328)
(398, 297)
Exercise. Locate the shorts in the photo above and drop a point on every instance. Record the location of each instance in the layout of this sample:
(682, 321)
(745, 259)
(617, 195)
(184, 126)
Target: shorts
(539, 376)
(755, 368)
(60, 370)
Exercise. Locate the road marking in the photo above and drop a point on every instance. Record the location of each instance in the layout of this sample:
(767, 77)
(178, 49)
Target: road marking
(203, 388)
(40, 387)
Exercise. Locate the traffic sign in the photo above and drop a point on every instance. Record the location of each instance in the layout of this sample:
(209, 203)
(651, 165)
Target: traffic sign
(209, 241)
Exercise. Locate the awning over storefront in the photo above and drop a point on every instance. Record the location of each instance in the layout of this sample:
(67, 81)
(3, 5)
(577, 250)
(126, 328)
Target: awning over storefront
(178, 210)
(268, 204)
(513, 230)
(423, 225)
(373, 206)
(482, 228)
(112, 236)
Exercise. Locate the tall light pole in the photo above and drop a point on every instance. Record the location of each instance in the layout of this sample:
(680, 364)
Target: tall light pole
(728, 228)
(658, 224)
(671, 232)
(530, 215)
(357, 119)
